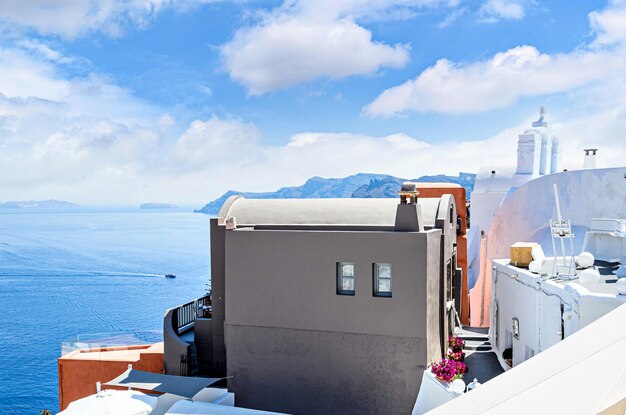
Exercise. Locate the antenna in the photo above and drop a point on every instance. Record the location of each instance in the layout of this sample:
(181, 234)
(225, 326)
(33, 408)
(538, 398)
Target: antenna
(561, 229)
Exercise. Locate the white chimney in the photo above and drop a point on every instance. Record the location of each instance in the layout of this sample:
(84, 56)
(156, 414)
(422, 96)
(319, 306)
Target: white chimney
(590, 158)
(554, 155)
(543, 160)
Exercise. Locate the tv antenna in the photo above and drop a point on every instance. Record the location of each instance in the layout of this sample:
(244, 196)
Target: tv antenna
(561, 229)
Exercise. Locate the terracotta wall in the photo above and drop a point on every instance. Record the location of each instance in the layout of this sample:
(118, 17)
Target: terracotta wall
(437, 190)
(78, 373)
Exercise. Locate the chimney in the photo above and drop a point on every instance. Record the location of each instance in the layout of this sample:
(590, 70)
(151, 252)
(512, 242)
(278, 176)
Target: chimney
(543, 160)
(408, 212)
(590, 158)
(554, 155)
(408, 193)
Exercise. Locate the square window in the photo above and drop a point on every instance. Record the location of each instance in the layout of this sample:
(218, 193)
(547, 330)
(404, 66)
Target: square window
(382, 280)
(345, 278)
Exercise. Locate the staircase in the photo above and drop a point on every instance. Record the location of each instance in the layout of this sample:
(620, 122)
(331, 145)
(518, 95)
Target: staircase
(476, 340)
(480, 358)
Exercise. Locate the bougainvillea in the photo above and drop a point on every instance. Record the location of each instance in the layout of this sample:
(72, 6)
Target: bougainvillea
(461, 368)
(458, 356)
(449, 370)
(456, 344)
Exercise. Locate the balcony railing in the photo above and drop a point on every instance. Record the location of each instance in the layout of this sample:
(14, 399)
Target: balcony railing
(186, 314)
(179, 341)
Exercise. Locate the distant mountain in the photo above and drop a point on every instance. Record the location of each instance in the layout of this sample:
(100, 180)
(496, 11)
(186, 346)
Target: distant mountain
(32, 204)
(360, 185)
(157, 206)
(389, 186)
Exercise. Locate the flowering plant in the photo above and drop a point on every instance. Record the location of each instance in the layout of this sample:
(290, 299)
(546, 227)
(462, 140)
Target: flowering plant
(461, 368)
(456, 344)
(457, 356)
(449, 370)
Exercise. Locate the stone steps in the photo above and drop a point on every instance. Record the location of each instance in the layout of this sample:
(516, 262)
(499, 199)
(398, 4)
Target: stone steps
(476, 344)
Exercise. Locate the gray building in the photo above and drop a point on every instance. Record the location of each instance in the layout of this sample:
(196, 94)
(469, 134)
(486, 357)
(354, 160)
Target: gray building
(328, 306)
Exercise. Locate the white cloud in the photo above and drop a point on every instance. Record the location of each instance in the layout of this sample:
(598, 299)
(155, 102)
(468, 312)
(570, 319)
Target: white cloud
(493, 10)
(87, 140)
(217, 140)
(111, 162)
(304, 40)
(281, 54)
(78, 17)
(452, 17)
(519, 72)
(609, 24)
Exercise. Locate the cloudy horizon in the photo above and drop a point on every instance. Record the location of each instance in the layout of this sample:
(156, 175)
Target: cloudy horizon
(124, 102)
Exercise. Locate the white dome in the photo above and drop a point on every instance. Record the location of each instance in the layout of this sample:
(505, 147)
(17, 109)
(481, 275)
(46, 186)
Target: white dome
(535, 266)
(585, 259)
(589, 276)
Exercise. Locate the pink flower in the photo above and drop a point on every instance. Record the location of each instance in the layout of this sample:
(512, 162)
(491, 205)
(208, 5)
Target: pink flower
(456, 344)
(448, 370)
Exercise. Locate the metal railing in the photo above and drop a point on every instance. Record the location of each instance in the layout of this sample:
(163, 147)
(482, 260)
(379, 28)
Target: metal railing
(187, 313)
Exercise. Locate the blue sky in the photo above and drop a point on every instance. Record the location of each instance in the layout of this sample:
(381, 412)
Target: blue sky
(126, 101)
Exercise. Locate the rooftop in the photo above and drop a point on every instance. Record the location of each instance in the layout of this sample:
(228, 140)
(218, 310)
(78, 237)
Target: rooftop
(605, 287)
(117, 354)
(322, 212)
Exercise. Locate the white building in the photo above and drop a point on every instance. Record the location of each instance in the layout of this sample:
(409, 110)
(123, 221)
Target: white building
(537, 155)
(525, 214)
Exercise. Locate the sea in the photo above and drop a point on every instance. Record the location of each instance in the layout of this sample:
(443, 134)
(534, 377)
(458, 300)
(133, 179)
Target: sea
(92, 273)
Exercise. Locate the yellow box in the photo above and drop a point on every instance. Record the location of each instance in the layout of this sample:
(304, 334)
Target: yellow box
(521, 253)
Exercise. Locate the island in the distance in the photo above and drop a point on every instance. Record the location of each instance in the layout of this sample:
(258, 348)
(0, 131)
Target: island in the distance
(157, 206)
(39, 204)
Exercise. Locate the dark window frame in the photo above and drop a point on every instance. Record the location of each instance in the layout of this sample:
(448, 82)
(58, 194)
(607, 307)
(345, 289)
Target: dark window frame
(340, 277)
(375, 278)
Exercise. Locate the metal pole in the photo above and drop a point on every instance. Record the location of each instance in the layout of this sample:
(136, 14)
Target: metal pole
(560, 218)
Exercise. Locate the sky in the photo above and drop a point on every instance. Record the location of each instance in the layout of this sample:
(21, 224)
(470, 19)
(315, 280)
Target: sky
(120, 102)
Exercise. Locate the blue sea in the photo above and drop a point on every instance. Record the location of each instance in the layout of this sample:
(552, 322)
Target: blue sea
(71, 272)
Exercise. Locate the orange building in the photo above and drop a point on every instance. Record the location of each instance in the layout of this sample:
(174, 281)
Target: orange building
(436, 190)
(81, 369)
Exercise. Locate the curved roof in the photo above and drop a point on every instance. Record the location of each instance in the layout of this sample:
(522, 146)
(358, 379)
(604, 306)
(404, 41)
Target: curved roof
(326, 212)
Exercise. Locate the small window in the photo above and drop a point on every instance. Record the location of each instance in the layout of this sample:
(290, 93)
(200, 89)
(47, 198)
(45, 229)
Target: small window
(382, 280)
(345, 278)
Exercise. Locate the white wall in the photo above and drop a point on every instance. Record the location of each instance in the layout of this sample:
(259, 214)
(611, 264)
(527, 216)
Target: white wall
(539, 314)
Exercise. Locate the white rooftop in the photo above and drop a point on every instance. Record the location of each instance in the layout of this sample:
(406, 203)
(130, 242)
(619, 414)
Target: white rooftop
(326, 212)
